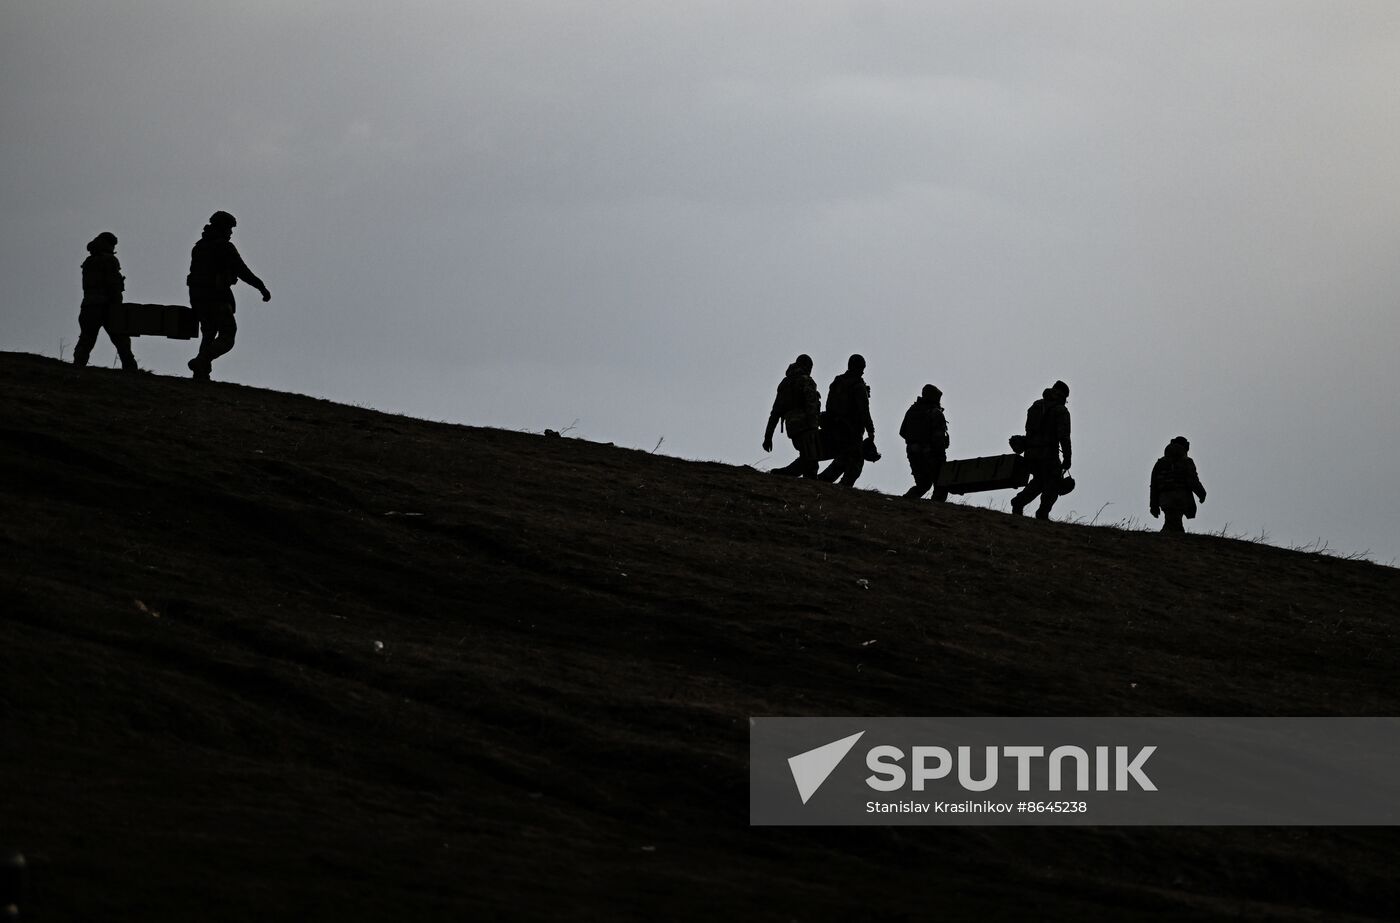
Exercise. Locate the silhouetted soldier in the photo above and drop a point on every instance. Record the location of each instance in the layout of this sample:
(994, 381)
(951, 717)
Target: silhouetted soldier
(103, 285)
(925, 434)
(1047, 443)
(798, 407)
(215, 265)
(846, 422)
(1174, 481)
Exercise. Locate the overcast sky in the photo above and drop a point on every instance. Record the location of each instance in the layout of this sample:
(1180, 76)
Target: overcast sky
(633, 215)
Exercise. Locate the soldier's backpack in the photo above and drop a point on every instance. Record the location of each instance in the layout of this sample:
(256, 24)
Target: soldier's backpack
(1035, 421)
(842, 400)
(790, 397)
(909, 428)
(918, 429)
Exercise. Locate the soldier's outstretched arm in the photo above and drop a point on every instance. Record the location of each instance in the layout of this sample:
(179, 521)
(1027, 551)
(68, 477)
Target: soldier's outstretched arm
(241, 271)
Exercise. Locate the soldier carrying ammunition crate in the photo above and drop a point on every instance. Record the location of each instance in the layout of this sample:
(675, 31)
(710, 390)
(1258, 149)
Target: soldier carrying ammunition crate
(925, 434)
(1047, 450)
(215, 265)
(103, 285)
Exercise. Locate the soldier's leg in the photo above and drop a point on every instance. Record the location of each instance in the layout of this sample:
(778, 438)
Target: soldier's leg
(1172, 521)
(123, 344)
(217, 331)
(208, 330)
(808, 450)
(855, 464)
(1027, 494)
(939, 494)
(838, 444)
(798, 466)
(920, 468)
(1048, 496)
(225, 334)
(89, 323)
(1049, 477)
(793, 468)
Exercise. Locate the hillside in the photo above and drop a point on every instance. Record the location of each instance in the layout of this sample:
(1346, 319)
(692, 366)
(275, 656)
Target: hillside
(270, 657)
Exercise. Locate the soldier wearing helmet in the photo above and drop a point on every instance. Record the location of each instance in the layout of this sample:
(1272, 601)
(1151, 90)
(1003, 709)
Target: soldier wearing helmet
(215, 265)
(925, 434)
(103, 285)
(796, 407)
(845, 423)
(1175, 486)
(1047, 451)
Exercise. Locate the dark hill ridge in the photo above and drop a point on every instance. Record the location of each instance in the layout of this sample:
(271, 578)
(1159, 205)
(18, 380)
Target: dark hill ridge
(269, 657)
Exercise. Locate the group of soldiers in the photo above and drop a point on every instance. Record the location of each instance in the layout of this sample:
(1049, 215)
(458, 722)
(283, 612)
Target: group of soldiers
(845, 433)
(839, 434)
(215, 266)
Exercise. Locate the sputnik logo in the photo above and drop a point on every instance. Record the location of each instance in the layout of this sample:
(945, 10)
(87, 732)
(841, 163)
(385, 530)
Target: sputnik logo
(811, 769)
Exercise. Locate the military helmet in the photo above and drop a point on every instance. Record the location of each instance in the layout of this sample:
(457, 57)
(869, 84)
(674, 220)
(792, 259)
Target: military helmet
(222, 219)
(930, 393)
(104, 241)
(805, 361)
(1061, 387)
(856, 363)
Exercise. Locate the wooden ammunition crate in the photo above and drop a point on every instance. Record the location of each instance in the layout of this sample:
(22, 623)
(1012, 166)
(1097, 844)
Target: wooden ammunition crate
(991, 472)
(161, 320)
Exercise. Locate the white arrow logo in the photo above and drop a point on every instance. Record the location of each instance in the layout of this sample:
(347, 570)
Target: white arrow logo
(810, 769)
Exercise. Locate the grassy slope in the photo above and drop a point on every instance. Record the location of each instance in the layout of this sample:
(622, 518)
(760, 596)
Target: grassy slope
(199, 722)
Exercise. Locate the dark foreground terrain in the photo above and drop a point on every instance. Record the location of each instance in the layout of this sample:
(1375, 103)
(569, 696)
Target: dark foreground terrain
(267, 657)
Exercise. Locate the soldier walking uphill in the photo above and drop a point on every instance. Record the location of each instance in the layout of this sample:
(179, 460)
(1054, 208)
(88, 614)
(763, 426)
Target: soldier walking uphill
(215, 265)
(1174, 482)
(103, 285)
(846, 422)
(1047, 443)
(925, 434)
(798, 407)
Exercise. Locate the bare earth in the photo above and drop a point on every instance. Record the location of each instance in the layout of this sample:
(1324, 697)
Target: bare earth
(266, 657)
